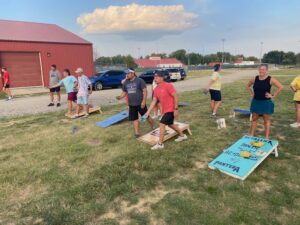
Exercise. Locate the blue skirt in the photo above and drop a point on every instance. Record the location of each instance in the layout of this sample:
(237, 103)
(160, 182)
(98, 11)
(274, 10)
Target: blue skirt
(262, 106)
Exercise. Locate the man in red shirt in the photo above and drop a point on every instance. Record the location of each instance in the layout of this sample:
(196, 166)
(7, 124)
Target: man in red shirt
(6, 83)
(165, 93)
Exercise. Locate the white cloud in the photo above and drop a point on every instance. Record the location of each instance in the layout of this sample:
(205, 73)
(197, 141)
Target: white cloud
(138, 21)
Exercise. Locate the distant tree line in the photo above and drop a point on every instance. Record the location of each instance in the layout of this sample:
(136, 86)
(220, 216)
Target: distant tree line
(272, 57)
(127, 60)
(281, 58)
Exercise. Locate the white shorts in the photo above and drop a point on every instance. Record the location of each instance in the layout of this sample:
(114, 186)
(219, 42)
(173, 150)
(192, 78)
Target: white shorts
(82, 100)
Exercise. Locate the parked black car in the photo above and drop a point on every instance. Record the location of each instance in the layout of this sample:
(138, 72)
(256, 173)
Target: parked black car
(148, 76)
(182, 73)
(174, 74)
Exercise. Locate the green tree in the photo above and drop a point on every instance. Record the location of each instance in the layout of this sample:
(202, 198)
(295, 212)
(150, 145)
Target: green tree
(298, 59)
(194, 58)
(274, 57)
(129, 61)
(103, 61)
(180, 55)
(251, 58)
(118, 60)
(289, 58)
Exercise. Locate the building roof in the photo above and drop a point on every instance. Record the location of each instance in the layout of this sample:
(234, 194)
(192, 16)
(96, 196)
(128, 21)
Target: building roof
(37, 32)
(151, 63)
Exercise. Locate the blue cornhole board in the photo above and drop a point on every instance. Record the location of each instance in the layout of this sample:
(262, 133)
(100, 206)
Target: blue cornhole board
(243, 111)
(113, 119)
(231, 163)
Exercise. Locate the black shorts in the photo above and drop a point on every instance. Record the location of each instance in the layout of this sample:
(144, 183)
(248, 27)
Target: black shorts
(134, 112)
(6, 86)
(57, 89)
(168, 118)
(215, 95)
(297, 102)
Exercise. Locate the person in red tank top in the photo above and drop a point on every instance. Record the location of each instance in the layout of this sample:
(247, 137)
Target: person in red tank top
(165, 93)
(6, 83)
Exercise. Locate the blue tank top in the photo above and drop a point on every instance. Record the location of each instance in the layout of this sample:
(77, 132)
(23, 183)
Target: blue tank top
(261, 87)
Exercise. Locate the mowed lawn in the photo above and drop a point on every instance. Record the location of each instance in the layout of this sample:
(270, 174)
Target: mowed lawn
(48, 175)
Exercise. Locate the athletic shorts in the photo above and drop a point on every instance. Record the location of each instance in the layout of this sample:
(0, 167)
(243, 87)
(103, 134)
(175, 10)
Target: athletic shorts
(297, 102)
(215, 95)
(167, 118)
(134, 112)
(82, 100)
(57, 89)
(72, 96)
(7, 86)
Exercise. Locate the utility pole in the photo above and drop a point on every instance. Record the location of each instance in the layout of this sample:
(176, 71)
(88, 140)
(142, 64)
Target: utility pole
(188, 55)
(139, 53)
(261, 51)
(223, 43)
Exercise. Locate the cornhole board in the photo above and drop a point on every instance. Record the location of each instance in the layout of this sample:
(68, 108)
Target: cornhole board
(91, 110)
(113, 119)
(242, 111)
(152, 137)
(184, 104)
(231, 163)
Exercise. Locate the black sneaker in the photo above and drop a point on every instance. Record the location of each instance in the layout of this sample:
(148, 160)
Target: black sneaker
(58, 104)
(51, 104)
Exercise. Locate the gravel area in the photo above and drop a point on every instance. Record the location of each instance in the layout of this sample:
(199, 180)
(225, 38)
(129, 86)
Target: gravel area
(38, 104)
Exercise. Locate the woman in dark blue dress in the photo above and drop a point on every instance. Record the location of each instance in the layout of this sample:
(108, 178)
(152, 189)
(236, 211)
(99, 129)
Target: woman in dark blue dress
(262, 103)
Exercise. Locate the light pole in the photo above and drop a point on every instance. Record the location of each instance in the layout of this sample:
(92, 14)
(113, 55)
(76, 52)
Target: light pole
(261, 50)
(223, 43)
(139, 53)
(188, 55)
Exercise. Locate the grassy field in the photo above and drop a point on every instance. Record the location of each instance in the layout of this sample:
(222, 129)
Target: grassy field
(104, 176)
(202, 73)
(292, 72)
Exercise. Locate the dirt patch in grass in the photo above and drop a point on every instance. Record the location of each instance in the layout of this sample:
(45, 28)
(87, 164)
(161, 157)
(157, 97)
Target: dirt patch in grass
(94, 142)
(201, 165)
(262, 186)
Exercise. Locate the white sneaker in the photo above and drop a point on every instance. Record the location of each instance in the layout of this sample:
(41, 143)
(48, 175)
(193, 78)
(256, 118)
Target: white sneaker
(295, 125)
(158, 146)
(179, 139)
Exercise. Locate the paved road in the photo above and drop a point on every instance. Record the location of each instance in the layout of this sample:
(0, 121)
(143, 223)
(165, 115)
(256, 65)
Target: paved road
(38, 104)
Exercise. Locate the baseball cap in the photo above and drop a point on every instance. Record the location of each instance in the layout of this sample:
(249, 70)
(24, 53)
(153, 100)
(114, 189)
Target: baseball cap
(129, 71)
(159, 74)
(79, 70)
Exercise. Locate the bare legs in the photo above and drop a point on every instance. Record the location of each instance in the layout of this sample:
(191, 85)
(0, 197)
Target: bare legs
(215, 105)
(162, 129)
(267, 124)
(52, 96)
(297, 107)
(136, 125)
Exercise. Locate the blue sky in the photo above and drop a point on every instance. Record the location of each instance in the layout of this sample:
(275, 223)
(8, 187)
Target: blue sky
(197, 27)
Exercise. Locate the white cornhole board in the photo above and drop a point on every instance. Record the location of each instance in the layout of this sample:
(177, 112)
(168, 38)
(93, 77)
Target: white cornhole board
(231, 163)
(153, 136)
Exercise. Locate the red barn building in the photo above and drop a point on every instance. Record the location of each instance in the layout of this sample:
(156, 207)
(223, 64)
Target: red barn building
(28, 50)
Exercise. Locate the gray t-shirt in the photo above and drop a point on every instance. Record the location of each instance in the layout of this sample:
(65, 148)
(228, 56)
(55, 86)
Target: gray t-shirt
(134, 90)
(54, 77)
